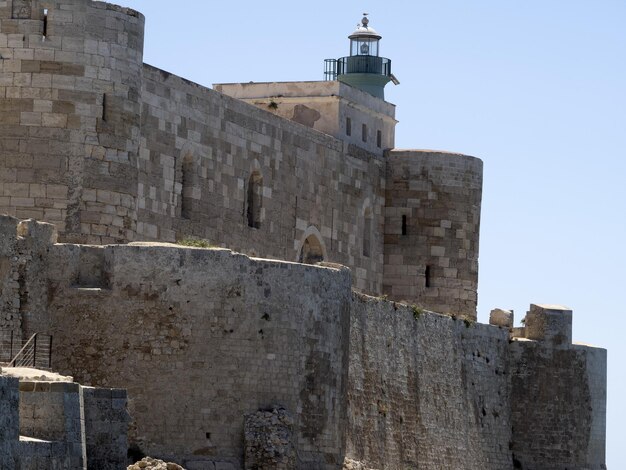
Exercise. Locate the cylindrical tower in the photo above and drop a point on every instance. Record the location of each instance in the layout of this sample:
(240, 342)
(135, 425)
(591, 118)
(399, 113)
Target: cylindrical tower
(432, 222)
(70, 90)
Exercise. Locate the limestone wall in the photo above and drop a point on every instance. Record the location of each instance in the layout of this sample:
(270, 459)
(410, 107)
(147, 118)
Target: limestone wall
(106, 428)
(199, 152)
(426, 391)
(558, 406)
(9, 421)
(432, 225)
(202, 337)
(69, 92)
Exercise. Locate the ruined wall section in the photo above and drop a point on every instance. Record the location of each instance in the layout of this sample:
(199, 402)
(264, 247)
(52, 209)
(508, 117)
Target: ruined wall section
(201, 151)
(558, 406)
(206, 337)
(24, 246)
(432, 224)
(70, 82)
(426, 391)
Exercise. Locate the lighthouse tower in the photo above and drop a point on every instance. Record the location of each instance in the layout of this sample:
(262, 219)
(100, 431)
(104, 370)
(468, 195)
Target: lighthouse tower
(363, 68)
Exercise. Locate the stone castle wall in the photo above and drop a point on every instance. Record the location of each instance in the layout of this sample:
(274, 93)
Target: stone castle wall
(199, 153)
(202, 337)
(207, 337)
(70, 82)
(111, 150)
(426, 391)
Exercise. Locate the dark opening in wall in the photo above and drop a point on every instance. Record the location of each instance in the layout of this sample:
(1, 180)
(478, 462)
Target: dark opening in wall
(364, 132)
(379, 139)
(45, 23)
(427, 277)
(311, 251)
(255, 199)
(404, 225)
(348, 126)
(104, 107)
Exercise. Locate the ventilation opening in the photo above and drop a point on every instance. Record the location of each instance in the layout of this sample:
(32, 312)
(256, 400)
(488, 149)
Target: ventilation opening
(427, 276)
(45, 24)
(348, 126)
(379, 139)
(404, 229)
(364, 132)
(255, 200)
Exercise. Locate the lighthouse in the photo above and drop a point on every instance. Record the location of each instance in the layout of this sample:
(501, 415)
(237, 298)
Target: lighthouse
(364, 68)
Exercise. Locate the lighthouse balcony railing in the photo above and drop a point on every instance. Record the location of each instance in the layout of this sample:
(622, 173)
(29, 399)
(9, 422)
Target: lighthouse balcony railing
(356, 64)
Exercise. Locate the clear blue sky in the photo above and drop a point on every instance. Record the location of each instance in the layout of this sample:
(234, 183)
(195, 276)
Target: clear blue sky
(536, 89)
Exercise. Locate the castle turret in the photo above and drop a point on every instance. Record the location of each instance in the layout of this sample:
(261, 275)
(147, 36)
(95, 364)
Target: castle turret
(363, 68)
(432, 223)
(71, 77)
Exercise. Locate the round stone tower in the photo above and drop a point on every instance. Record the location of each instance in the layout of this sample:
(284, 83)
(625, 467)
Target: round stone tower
(432, 222)
(70, 89)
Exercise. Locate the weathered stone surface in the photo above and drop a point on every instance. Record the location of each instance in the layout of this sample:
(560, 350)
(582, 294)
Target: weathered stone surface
(149, 463)
(269, 440)
(500, 317)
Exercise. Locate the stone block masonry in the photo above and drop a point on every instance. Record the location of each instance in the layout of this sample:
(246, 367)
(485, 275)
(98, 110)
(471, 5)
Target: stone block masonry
(205, 337)
(208, 337)
(111, 150)
(49, 423)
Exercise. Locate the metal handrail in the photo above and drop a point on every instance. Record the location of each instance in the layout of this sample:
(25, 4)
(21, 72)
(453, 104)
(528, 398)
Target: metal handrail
(28, 354)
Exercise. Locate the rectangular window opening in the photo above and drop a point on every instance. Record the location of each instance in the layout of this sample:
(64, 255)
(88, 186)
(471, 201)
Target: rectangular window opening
(364, 133)
(348, 126)
(427, 277)
(379, 139)
(404, 225)
(45, 24)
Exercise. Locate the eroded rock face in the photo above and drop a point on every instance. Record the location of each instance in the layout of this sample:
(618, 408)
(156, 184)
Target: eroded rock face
(154, 464)
(269, 440)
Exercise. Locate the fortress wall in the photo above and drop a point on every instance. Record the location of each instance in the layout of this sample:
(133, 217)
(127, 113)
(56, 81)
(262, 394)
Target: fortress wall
(426, 391)
(9, 422)
(434, 263)
(558, 406)
(199, 149)
(200, 338)
(69, 123)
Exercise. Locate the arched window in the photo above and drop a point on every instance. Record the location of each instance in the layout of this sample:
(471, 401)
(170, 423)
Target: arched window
(255, 199)
(189, 184)
(367, 232)
(312, 251)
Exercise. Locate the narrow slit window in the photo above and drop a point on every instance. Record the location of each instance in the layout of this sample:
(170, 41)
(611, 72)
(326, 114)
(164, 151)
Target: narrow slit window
(379, 139)
(427, 277)
(404, 225)
(348, 126)
(364, 133)
(45, 23)
(104, 107)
